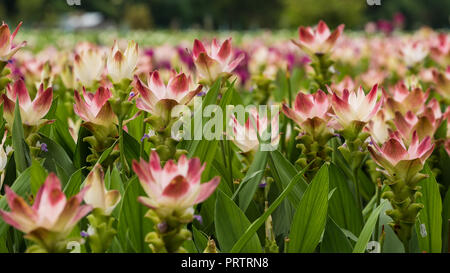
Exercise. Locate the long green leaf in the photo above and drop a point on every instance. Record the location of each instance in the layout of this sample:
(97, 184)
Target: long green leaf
(368, 229)
(310, 216)
(260, 221)
(431, 215)
(334, 239)
(21, 150)
(231, 223)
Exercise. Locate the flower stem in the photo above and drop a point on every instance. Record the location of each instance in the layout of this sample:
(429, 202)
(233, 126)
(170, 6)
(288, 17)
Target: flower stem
(122, 149)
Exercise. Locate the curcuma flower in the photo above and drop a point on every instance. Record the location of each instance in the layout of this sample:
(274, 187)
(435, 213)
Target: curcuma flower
(400, 162)
(96, 194)
(425, 124)
(173, 190)
(319, 40)
(245, 137)
(51, 218)
(216, 62)
(95, 108)
(31, 112)
(442, 81)
(157, 98)
(355, 108)
(310, 112)
(89, 66)
(6, 47)
(120, 65)
(413, 53)
(403, 100)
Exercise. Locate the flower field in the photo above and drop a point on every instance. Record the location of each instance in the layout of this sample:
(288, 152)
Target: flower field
(322, 140)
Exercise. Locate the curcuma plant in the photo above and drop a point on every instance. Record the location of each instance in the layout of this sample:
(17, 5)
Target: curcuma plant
(337, 145)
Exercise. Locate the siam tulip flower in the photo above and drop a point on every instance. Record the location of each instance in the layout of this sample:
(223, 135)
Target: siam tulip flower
(31, 112)
(425, 124)
(310, 112)
(7, 50)
(158, 99)
(355, 109)
(89, 66)
(51, 218)
(246, 137)
(378, 127)
(442, 81)
(173, 190)
(215, 62)
(440, 49)
(122, 65)
(404, 100)
(3, 159)
(372, 77)
(96, 194)
(319, 41)
(400, 161)
(94, 108)
(413, 53)
(346, 83)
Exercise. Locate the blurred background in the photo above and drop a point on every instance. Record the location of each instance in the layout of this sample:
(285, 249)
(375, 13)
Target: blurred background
(223, 14)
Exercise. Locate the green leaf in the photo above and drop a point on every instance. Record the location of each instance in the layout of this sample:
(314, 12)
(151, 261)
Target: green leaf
(445, 222)
(284, 171)
(260, 221)
(56, 157)
(21, 150)
(334, 239)
(133, 226)
(21, 187)
(200, 239)
(343, 208)
(231, 223)
(368, 229)
(247, 190)
(73, 186)
(310, 216)
(430, 215)
(38, 176)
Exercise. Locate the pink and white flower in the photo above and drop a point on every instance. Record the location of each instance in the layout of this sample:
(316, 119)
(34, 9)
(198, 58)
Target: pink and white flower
(310, 112)
(245, 137)
(413, 53)
(89, 66)
(174, 189)
(94, 107)
(31, 112)
(96, 193)
(355, 106)
(51, 212)
(120, 65)
(400, 161)
(7, 50)
(403, 100)
(442, 81)
(215, 62)
(319, 40)
(156, 97)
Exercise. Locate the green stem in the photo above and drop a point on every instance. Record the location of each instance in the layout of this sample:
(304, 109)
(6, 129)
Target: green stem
(122, 149)
(358, 193)
(378, 193)
(144, 128)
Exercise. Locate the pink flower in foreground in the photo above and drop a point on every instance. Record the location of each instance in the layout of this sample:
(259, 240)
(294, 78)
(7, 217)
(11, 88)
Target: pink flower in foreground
(400, 161)
(355, 106)
(156, 96)
(319, 40)
(174, 189)
(31, 112)
(245, 137)
(94, 107)
(6, 46)
(215, 62)
(96, 194)
(310, 111)
(51, 214)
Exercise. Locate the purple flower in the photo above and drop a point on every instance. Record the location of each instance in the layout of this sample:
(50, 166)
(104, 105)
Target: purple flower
(162, 227)
(44, 147)
(144, 137)
(198, 218)
(84, 234)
